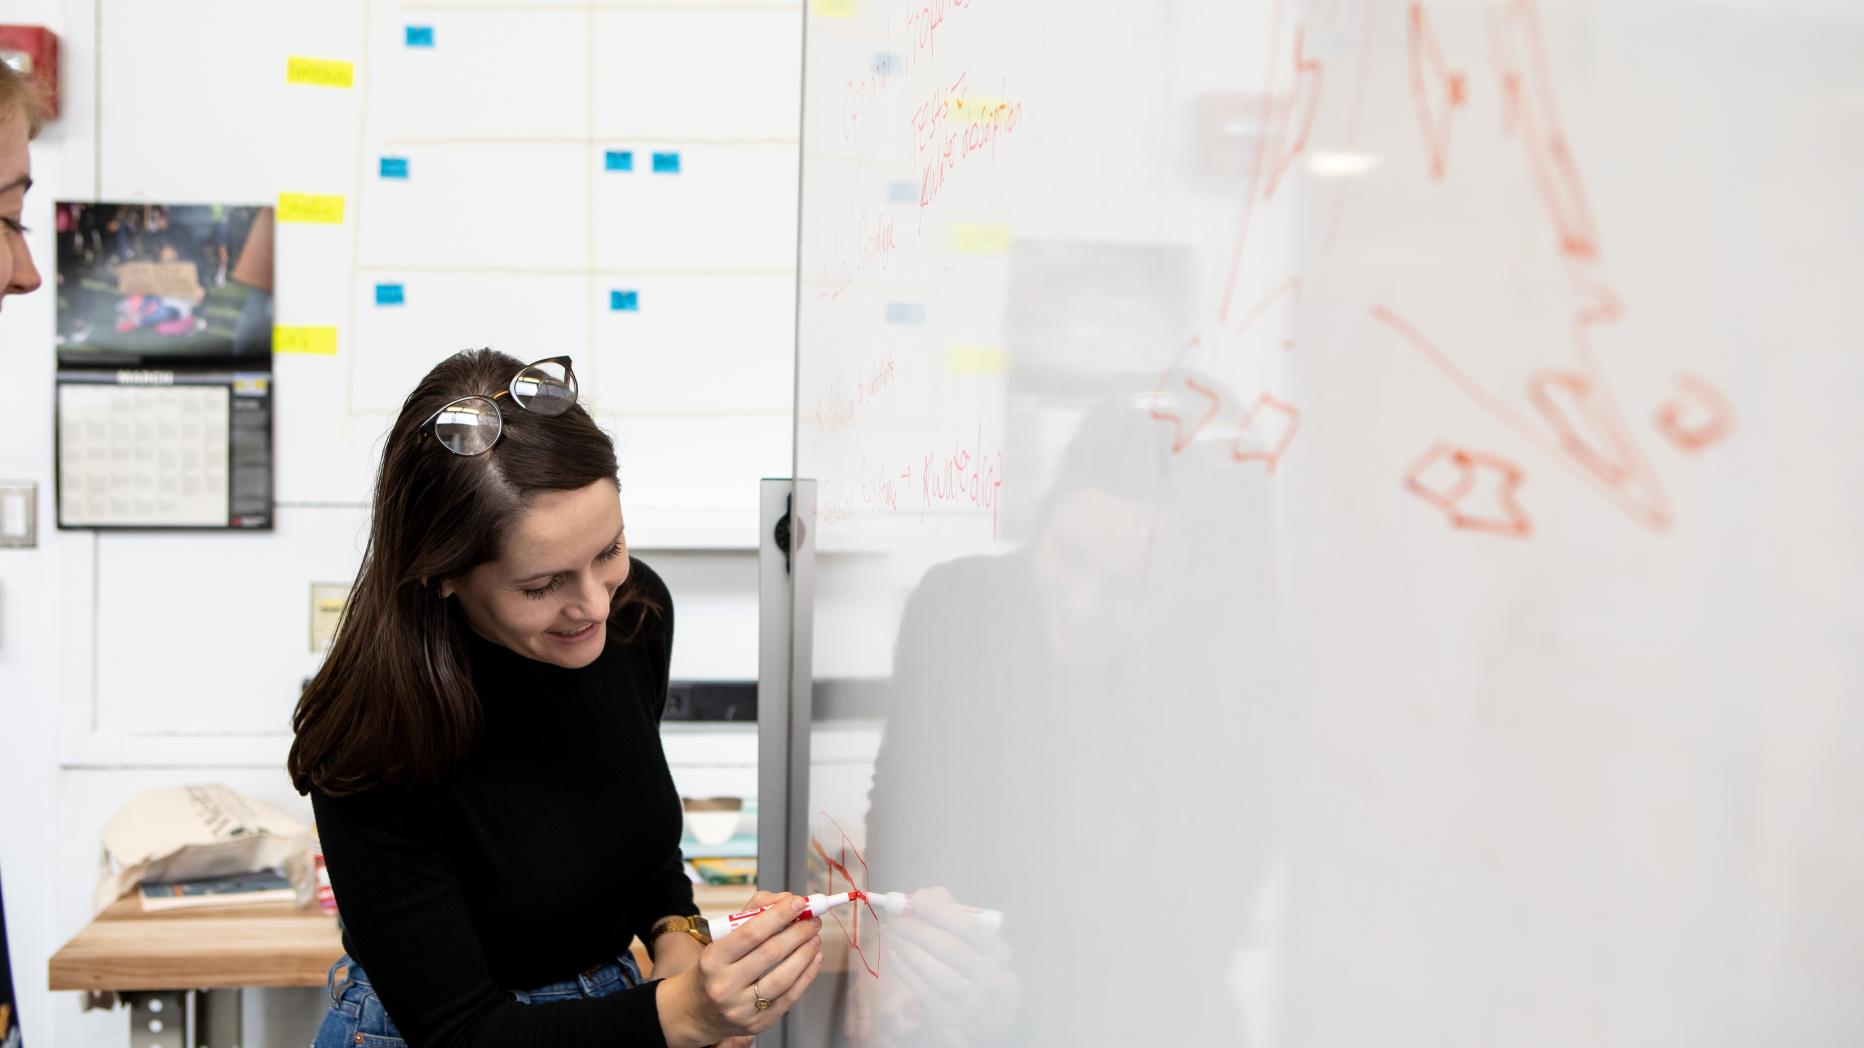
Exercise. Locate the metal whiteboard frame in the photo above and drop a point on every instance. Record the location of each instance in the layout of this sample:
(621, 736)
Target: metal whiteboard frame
(785, 620)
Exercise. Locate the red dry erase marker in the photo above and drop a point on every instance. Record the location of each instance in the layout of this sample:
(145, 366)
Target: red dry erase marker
(818, 905)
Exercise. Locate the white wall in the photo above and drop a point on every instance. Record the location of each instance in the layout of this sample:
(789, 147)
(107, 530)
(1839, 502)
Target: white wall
(88, 623)
(37, 586)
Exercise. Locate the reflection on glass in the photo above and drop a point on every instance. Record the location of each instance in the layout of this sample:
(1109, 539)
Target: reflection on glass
(1055, 752)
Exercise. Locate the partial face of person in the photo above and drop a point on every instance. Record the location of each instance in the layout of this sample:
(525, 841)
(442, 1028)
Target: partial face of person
(547, 597)
(17, 273)
(1088, 563)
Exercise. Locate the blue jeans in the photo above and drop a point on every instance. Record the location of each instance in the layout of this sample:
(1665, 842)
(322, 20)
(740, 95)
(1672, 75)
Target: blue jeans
(357, 1018)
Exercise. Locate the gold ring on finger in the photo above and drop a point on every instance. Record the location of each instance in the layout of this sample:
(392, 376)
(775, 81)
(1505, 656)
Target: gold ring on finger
(762, 1001)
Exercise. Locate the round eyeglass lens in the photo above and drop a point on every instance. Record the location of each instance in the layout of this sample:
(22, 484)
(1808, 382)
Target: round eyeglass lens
(469, 426)
(547, 388)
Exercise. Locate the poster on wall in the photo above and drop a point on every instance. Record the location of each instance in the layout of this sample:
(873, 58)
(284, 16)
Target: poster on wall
(9, 1013)
(164, 285)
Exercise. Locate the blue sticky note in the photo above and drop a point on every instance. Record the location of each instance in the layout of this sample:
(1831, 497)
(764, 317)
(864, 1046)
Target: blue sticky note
(394, 167)
(902, 193)
(619, 160)
(388, 295)
(886, 63)
(625, 301)
(420, 36)
(906, 313)
(666, 163)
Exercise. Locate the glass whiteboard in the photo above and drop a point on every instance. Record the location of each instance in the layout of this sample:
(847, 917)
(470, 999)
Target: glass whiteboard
(1337, 520)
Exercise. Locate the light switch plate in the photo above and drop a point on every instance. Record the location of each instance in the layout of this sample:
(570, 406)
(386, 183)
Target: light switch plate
(327, 600)
(19, 514)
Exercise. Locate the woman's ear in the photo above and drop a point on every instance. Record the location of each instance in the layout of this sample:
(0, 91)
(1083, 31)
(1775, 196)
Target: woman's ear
(446, 588)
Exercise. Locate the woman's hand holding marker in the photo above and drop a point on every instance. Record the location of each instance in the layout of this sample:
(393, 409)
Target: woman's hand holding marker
(744, 982)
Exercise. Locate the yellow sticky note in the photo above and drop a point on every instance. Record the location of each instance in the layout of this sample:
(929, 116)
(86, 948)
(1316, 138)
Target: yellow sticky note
(977, 109)
(976, 238)
(319, 72)
(310, 207)
(832, 8)
(976, 360)
(312, 341)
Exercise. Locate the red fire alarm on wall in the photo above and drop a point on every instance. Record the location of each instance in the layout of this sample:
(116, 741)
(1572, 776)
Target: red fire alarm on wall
(32, 51)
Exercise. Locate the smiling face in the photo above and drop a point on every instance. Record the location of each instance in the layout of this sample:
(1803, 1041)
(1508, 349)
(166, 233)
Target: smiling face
(547, 596)
(17, 273)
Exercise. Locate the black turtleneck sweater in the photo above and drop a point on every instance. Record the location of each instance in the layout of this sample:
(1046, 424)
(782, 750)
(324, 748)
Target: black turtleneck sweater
(541, 855)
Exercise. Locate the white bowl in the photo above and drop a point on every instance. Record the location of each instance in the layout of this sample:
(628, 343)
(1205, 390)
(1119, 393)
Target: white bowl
(713, 823)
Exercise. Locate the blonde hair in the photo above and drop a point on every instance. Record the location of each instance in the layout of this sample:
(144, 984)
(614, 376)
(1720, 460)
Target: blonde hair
(18, 96)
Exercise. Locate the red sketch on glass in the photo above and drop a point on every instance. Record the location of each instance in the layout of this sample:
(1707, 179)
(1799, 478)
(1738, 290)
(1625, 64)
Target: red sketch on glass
(1518, 47)
(1266, 429)
(1294, 118)
(1696, 416)
(841, 879)
(1289, 291)
(1367, 21)
(1287, 119)
(1435, 88)
(1579, 424)
(1570, 403)
(1165, 400)
(1474, 490)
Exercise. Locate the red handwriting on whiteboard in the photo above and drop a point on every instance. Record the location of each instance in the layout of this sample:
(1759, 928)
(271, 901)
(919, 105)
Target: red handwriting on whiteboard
(952, 126)
(1474, 490)
(1696, 416)
(924, 18)
(861, 91)
(873, 247)
(1436, 90)
(876, 379)
(929, 119)
(964, 476)
(840, 404)
(833, 506)
(834, 408)
(841, 878)
(880, 486)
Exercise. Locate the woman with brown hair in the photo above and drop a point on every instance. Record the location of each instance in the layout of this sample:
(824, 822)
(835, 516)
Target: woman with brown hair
(482, 750)
(19, 124)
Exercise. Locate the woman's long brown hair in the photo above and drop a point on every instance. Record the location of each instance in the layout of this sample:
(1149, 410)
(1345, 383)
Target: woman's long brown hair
(394, 701)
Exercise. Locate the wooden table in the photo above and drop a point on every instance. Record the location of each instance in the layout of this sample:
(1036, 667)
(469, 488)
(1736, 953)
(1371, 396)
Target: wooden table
(155, 959)
(125, 948)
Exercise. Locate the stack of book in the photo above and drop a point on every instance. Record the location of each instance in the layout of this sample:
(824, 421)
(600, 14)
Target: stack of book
(239, 889)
